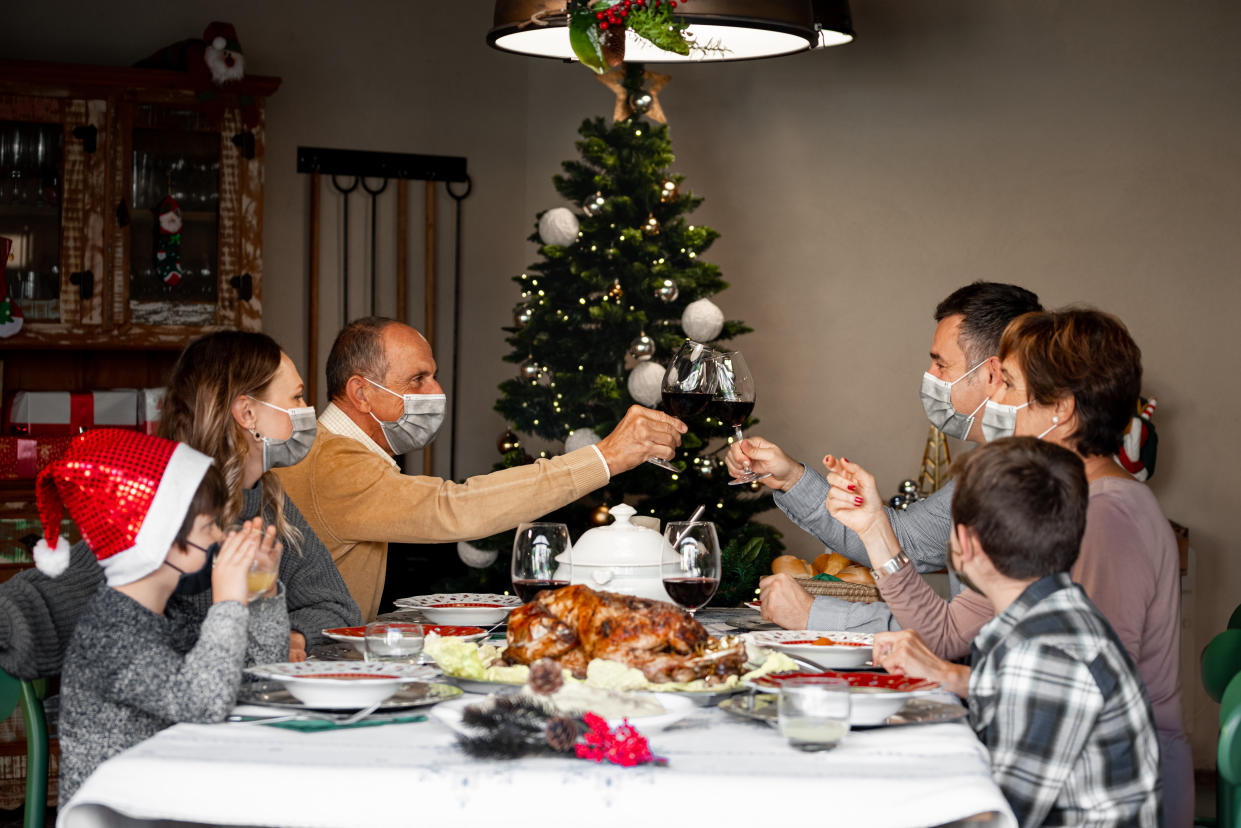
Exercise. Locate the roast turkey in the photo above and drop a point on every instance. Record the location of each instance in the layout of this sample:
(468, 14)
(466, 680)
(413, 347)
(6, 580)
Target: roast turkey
(575, 624)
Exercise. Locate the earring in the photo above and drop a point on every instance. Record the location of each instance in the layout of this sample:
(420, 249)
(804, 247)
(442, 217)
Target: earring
(255, 433)
(1053, 419)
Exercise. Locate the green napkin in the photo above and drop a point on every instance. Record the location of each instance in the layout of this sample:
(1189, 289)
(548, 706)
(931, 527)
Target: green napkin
(316, 725)
(823, 576)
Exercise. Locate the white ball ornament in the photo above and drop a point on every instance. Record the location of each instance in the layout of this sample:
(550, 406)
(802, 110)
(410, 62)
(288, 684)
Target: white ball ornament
(474, 557)
(645, 382)
(702, 320)
(558, 226)
(580, 438)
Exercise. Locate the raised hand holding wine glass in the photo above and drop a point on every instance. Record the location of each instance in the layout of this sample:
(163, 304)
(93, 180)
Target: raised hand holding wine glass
(687, 386)
(733, 400)
(542, 558)
(693, 575)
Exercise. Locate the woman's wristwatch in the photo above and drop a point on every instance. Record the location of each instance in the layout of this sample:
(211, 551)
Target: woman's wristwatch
(888, 567)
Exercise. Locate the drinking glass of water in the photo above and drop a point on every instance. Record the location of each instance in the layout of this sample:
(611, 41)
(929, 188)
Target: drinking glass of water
(814, 712)
(394, 642)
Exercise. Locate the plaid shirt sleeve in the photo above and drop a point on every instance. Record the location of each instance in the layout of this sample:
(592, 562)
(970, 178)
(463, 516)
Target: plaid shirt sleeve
(1047, 703)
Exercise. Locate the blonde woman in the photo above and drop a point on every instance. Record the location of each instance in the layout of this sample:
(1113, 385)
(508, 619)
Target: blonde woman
(235, 396)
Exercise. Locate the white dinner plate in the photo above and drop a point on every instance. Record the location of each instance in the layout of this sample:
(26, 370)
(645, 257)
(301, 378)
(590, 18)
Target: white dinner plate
(462, 607)
(342, 684)
(675, 707)
(849, 650)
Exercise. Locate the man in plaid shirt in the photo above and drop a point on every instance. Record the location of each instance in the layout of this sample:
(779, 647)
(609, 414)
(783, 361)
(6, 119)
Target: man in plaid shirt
(1052, 692)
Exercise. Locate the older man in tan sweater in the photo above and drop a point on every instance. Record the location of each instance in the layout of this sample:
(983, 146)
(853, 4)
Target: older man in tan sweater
(385, 400)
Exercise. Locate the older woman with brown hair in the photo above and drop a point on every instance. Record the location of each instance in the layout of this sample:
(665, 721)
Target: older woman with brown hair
(1071, 377)
(236, 397)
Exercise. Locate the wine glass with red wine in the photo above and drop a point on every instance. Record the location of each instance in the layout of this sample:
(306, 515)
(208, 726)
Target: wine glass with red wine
(542, 558)
(693, 575)
(687, 386)
(733, 399)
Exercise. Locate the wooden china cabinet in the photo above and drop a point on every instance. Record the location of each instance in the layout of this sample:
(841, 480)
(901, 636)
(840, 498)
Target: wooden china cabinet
(86, 154)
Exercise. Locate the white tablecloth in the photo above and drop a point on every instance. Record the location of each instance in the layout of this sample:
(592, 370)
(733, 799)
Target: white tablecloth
(721, 771)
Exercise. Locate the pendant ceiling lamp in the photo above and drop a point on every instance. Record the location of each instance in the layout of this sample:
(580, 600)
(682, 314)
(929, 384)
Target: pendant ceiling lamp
(717, 30)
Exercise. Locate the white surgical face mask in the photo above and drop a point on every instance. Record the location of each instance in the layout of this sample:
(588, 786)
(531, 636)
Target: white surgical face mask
(418, 423)
(999, 420)
(278, 454)
(937, 403)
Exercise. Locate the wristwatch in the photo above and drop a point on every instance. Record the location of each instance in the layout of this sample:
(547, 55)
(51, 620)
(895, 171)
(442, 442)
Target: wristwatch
(890, 566)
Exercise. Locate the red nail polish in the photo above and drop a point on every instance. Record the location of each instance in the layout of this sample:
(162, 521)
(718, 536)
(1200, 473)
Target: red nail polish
(852, 488)
(846, 459)
(857, 501)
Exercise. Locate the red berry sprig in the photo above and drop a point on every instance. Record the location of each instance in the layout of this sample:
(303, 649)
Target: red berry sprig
(625, 746)
(615, 15)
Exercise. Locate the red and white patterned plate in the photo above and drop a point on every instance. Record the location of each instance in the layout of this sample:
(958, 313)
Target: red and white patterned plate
(847, 649)
(874, 696)
(357, 635)
(462, 607)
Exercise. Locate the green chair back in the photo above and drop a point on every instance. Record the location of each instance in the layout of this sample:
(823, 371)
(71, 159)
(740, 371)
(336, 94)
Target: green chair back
(14, 692)
(1234, 621)
(1221, 660)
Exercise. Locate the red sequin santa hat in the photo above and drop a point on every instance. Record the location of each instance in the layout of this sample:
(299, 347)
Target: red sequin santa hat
(128, 493)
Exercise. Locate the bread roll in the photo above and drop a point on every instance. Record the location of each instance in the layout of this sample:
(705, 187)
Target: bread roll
(791, 565)
(856, 574)
(831, 563)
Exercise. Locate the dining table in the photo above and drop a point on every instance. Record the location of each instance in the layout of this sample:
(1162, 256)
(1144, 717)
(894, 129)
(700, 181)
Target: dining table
(718, 769)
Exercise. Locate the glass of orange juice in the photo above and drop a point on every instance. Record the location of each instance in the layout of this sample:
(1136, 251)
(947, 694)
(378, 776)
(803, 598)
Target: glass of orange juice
(263, 573)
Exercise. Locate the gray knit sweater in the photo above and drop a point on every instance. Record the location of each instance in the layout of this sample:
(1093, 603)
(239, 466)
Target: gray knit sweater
(38, 613)
(129, 673)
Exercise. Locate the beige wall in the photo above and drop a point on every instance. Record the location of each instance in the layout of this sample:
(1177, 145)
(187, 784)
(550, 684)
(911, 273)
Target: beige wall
(1087, 151)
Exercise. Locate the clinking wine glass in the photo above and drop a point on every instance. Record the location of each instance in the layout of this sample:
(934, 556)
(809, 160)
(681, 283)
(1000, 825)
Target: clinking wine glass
(687, 386)
(733, 400)
(693, 576)
(542, 558)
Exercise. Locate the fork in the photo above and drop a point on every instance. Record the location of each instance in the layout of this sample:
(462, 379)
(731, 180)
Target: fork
(307, 715)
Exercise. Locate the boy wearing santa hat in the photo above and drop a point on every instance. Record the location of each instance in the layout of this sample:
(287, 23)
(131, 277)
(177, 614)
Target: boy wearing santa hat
(147, 507)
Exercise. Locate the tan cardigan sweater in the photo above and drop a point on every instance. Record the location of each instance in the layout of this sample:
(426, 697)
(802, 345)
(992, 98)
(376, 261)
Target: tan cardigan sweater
(354, 496)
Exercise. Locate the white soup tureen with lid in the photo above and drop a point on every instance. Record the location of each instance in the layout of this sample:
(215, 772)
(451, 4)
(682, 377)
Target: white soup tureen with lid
(622, 557)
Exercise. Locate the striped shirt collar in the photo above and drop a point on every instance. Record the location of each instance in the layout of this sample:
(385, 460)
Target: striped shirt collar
(338, 422)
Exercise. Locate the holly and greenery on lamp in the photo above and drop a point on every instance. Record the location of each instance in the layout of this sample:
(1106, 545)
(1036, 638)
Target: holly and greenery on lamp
(597, 29)
(620, 283)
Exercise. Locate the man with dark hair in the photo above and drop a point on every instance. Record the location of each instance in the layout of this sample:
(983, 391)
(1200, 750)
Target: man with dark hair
(1052, 692)
(386, 401)
(964, 373)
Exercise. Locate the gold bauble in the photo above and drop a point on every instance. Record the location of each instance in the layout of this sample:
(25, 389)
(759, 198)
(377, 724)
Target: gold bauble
(602, 515)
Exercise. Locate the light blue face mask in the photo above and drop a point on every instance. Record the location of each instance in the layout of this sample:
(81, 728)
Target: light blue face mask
(937, 403)
(279, 454)
(1000, 420)
(418, 423)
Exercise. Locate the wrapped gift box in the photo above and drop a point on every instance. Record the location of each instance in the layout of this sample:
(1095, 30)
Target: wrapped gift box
(25, 457)
(63, 414)
(149, 402)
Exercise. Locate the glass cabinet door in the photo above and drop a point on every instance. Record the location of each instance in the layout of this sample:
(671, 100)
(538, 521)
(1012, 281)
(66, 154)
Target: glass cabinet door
(174, 231)
(31, 171)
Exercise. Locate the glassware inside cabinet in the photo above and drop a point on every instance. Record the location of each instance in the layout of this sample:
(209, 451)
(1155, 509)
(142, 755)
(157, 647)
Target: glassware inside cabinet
(175, 218)
(31, 172)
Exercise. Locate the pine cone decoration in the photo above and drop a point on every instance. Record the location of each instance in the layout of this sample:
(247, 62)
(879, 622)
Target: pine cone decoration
(545, 677)
(614, 46)
(561, 734)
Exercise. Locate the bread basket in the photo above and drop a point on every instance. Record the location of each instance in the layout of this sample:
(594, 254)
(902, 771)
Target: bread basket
(857, 593)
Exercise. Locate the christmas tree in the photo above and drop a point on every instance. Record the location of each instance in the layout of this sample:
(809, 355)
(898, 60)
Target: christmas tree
(616, 291)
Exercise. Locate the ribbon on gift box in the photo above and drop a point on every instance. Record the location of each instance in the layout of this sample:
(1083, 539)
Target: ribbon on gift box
(61, 413)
